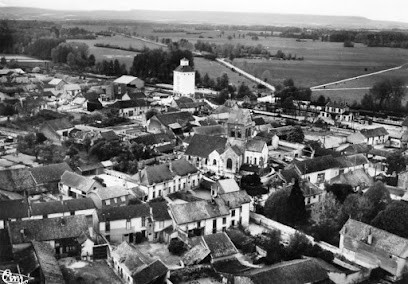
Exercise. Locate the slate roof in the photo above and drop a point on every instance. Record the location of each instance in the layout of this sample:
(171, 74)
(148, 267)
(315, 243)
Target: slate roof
(352, 160)
(152, 139)
(289, 174)
(49, 173)
(17, 180)
(198, 210)
(298, 271)
(195, 255)
(47, 229)
(79, 182)
(59, 124)
(78, 204)
(255, 145)
(235, 199)
(180, 117)
(220, 245)
(203, 145)
(227, 185)
(136, 95)
(110, 192)
(211, 130)
(150, 273)
(160, 211)
(123, 212)
(128, 256)
(45, 208)
(14, 209)
(164, 172)
(317, 164)
(374, 132)
(381, 240)
(109, 135)
(50, 269)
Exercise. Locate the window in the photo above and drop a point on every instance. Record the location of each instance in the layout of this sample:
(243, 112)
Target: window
(215, 223)
(308, 200)
(107, 202)
(123, 199)
(229, 164)
(320, 178)
(160, 193)
(198, 224)
(233, 213)
(214, 162)
(233, 223)
(254, 161)
(128, 224)
(143, 221)
(193, 182)
(115, 200)
(107, 226)
(154, 194)
(224, 221)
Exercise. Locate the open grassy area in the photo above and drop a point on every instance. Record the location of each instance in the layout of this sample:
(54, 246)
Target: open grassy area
(215, 69)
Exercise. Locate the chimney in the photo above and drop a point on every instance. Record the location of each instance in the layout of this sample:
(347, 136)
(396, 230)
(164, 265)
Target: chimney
(170, 167)
(369, 237)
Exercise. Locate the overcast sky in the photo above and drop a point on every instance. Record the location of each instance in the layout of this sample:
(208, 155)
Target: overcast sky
(392, 10)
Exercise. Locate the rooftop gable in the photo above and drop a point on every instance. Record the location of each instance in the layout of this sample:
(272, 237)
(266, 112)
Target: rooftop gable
(203, 145)
(49, 173)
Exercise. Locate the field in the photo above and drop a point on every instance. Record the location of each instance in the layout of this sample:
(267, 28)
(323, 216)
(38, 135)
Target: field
(123, 56)
(215, 69)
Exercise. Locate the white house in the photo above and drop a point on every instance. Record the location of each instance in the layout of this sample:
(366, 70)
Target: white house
(77, 186)
(120, 224)
(161, 220)
(131, 109)
(375, 136)
(256, 153)
(129, 81)
(184, 79)
(160, 180)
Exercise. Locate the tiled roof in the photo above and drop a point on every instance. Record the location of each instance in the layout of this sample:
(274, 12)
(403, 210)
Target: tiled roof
(289, 174)
(152, 139)
(130, 104)
(235, 199)
(47, 229)
(165, 172)
(123, 212)
(79, 182)
(17, 180)
(128, 256)
(111, 192)
(211, 130)
(255, 145)
(374, 132)
(50, 173)
(109, 135)
(50, 269)
(180, 117)
(227, 185)
(59, 124)
(150, 273)
(196, 254)
(381, 240)
(352, 160)
(203, 145)
(354, 178)
(78, 204)
(14, 209)
(298, 271)
(198, 210)
(220, 245)
(240, 116)
(317, 164)
(160, 211)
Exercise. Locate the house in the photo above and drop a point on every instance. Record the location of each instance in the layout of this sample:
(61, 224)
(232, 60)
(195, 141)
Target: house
(219, 245)
(120, 224)
(298, 271)
(18, 181)
(372, 247)
(256, 153)
(56, 209)
(129, 81)
(375, 136)
(130, 108)
(357, 179)
(50, 271)
(56, 130)
(337, 112)
(64, 234)
(160, 180)
(198, 218)
(77, 186)
(403, 180)
(211, 130)
(171, 121)
(48, 177)
(13, 210)
(135, 268)
(238, 203)
(184, 79)
(213, 153)
(71, 90)
(110, 196)
(224, 186)
(161, 220)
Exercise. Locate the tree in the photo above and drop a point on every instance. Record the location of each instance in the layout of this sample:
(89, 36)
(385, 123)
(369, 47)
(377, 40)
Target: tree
(379, 196)
(341, 191)
(276, 206)
(296, 204)
(271, 242)
(91, 60)
(150, 113)
(288, 82)
(296, 135)
(357, 207)
(389, 93)
(396, 163)
(243, 90)
(326, 211)
(3, 61)
(321, 100)
(393, 219)
(177, 247)
(266, 75)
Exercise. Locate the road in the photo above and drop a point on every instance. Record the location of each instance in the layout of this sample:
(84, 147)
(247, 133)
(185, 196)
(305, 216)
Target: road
(249, 76)
(356, 77)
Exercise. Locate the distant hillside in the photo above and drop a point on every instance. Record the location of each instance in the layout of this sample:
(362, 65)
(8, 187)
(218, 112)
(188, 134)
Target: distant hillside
(198, 17)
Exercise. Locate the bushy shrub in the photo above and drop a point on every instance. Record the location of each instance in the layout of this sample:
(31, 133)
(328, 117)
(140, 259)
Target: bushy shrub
(177, 247)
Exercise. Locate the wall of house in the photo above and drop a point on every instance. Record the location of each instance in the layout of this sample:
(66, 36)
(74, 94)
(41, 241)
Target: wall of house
(184, 83)
(256, 158)
(207, 225)
(312, 199)
(118, 228)
(328, 175)
(121, 270)
(50, 134)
